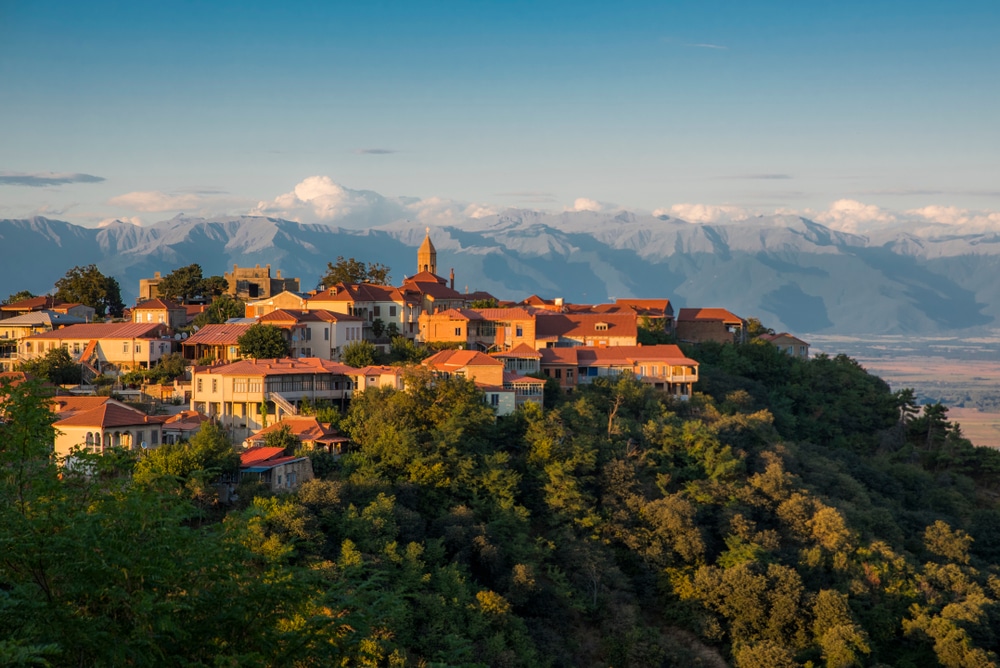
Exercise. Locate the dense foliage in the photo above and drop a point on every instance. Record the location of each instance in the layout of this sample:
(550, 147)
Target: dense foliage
(263, 342)
(186, 283)
(795, 512)
(220, 310)
(88, 286)
(354, 271)
(55, 366)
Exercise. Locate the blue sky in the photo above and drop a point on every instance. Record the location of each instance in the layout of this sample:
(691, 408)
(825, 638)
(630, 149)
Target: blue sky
(215, 107)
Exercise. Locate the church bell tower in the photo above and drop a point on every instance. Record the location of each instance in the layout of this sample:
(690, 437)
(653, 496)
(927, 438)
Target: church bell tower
(427, 255)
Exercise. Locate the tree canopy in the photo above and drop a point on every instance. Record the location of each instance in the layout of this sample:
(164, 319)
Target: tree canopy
(185, 283)
(354, 271)
(18, 297)
(87, 285)
(263, 342)
(56, 366)
(359, 354)
(222, 308)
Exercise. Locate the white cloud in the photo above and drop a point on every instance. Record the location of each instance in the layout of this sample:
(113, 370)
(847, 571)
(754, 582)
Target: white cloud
(952, 215)
(706, 213)
(442, 211)
(319, 199)
(587, 204)
(851, 215)
(155, 201)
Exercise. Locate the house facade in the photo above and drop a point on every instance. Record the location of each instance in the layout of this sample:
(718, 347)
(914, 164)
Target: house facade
(785, 342)
(119, 346)
(698, 325)
(160, 311)
(663, 366)
(108, 425)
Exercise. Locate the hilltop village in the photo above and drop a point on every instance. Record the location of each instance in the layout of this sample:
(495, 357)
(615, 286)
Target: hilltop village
(165, 356)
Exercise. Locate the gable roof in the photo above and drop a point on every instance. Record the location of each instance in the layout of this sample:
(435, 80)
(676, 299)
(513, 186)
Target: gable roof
(259, 455)
(110, 414)
(358, 292)
(511, 377)
(783, 335)
(432, 290)
(158, 304)
(33, 304)
(43, 317)
(506, 313)
(425, 277)
(65, 406)
(647, 304)
(449, 360)
(556, 325)
(105, 330)
(521, 350)
(304, 428)
(615, 355)
(217, 335)
(708, 314)
(282, 367)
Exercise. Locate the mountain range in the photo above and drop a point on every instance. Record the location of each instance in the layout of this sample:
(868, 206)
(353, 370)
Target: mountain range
(791, 272)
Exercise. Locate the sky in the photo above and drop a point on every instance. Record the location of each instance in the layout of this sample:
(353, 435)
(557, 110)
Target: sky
(713, 110)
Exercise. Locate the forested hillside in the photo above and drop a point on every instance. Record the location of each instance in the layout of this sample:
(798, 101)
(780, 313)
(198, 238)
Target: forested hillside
(793, 513)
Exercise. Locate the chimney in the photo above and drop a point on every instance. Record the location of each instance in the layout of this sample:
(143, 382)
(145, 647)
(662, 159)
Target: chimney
(279, 273)
(452, 278)
(558, 301)
(156, 274)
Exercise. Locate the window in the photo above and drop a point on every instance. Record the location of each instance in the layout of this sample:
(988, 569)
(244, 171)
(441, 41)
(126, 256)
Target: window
(309, 334)
(601, 327)
(520, 330)
(569, 374)
(494, 400)
(160, 318)
(154, 437)
(76, 348)
(125, 347)
(149, 316)
(199, 385)
(558, 373)
(378, 311)
(163, 348)
(458, 331)
(326, 333)
(215, 385)
(138, 347)
(392, 311)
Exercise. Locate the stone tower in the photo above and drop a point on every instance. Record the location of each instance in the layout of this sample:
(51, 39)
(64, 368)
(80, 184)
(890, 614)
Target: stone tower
(427, 257)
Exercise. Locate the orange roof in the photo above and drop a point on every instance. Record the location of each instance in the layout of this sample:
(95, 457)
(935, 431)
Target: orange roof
(782, 335)
(424, 277)
(33, 304)
(646, 304)
(306, 429)
(616, 355)
(158, 305)
(359, 292)
(64, 407)
(110, 414)
(506, 313)
(260, 455)
(375, 370)
(15, 378)
(556, 325)
(718, 314)
(459, 314)
(520, 350)
(511, 377)
(448, 360)
(105, 330)
(217, 335)
(282, 367)
(433, 290)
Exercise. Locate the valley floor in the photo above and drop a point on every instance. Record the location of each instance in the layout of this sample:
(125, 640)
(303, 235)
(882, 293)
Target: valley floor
(963, 374)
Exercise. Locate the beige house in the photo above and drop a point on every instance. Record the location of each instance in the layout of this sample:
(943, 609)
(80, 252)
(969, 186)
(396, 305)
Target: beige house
(109, 425)
(663, 366)
(378, 376)
(558, 330)
(248, 395)
(13, 330)
(46, 303)
(313, 434)
(283, 300)
(488, 329)
(316, 333)
(369, 303)
(219, 342)
(161, 311)
(276, 470)
(504, 391)
(786, 343)
(106, 346)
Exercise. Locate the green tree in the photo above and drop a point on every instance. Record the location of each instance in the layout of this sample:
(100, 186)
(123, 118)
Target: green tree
(282, 437)
(182, 284)
(19, 297)
(87, 285)
(405, 350)
(214, 286)
(263, 342)
(378, 327)
(354, 271)
(483, 303)
(209, 450)
(223, 308)
(57, 367)
(359, 354)
(755, 328)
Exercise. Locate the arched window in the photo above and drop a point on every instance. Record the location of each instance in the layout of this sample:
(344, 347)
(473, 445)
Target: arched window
(90, 439)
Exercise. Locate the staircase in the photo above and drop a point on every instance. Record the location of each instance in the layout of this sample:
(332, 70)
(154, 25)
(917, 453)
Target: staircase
(282, 403)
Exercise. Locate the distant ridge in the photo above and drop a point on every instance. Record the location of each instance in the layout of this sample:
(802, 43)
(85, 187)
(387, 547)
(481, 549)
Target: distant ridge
(790, 271)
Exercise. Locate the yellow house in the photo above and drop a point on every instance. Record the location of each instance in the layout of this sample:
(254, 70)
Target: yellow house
(161, 311)
(106, 346)
(108, 425)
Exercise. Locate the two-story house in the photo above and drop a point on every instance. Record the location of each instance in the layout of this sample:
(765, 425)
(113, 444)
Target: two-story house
(13, 330)
(117, 346)
(697, 325)
(161, 311)
(663, 366)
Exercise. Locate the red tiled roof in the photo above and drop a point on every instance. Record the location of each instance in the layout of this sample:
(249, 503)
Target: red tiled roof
(359, 292)
(217, 335)
(506, 313)
(329, 316)
(615, 355)
(456, 359)
(433, 290)
(258, 455)
(306, 429)
(650, 304)
(511, 377)
(14, 378)
(379, 371)
(522, 350)
(425, 277)
(158, 304)
(110, 414)
(105, 330)
(555, 325)
(33, 304)
(280, 367)
(785, 335)
(459, 314)
(721, 314)
(64, 407)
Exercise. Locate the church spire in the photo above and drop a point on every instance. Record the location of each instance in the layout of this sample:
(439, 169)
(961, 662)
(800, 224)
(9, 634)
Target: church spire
(427, 255)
